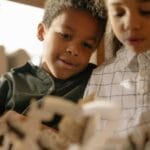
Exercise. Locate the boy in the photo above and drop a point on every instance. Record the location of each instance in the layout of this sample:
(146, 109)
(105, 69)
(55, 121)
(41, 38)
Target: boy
(70, 31)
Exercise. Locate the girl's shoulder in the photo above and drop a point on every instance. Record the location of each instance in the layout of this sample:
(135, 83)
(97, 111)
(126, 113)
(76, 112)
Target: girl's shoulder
(106, 65)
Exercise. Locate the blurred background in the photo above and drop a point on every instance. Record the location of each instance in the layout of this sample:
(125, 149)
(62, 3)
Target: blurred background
(19, 20)
(18, 29)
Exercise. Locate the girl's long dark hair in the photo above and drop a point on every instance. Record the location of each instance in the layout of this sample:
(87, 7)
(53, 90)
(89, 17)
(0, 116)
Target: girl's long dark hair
(112, 44)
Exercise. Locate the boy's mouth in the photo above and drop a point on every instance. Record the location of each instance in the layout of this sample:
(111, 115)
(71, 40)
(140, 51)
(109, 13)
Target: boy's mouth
(68, 63)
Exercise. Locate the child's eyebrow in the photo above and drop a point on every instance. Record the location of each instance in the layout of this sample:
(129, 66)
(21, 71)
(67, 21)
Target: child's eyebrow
(118, 3)
(92, 38)
(143, 0)
(68, 28)
(115, 3)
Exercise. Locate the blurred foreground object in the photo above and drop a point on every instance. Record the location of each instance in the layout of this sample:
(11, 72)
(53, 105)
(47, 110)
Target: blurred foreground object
(22, 133)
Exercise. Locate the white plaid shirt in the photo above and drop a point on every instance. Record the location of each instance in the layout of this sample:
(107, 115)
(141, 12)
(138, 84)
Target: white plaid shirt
(121, 82)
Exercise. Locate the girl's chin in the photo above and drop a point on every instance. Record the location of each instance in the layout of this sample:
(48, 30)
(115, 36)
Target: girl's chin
(137, 49)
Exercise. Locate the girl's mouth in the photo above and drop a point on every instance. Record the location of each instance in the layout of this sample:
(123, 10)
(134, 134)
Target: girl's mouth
(135, 41)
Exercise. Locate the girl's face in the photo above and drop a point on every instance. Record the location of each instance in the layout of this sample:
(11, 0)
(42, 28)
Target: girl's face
(130, 21)
(69, 42)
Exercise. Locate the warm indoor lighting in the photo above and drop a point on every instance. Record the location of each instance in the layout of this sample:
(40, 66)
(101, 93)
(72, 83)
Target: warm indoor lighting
(18, 23)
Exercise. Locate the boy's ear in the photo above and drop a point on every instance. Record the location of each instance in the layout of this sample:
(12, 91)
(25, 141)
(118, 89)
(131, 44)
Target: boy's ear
(41, 31)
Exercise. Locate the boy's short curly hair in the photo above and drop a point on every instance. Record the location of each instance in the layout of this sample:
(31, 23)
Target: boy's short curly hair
(54, 7)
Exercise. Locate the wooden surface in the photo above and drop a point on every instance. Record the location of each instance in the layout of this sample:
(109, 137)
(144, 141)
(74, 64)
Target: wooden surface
(100, 53)
(36, 3)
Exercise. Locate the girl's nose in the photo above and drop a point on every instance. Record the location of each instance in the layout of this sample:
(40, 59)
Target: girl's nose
(133, 22)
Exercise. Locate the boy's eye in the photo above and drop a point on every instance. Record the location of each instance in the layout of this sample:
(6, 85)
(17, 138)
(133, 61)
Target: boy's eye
(65, 36)
(88, 45)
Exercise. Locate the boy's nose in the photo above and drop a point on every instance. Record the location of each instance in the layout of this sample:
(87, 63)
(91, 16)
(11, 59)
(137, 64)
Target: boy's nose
(72, 51)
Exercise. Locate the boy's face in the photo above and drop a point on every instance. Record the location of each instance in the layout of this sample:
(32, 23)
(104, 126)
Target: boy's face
(130, 20)
(69, 42)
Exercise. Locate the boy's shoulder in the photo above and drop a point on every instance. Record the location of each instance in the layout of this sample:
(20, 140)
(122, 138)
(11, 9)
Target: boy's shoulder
(24, 71)
(91, 66)
(88, 70)
(29, 67)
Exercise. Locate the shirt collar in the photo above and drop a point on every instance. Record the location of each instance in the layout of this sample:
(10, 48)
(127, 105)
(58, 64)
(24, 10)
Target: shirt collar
(144, 60)
(130, 59)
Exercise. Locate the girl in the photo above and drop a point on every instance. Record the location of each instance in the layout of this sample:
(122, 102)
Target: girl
(126, 79)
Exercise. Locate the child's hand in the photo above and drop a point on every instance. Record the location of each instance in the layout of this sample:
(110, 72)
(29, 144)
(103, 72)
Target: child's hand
(12, 116)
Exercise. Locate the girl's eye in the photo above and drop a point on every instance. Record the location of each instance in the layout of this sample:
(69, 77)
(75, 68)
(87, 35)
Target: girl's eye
(145, 13)
(119, 14)
(144, 8)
